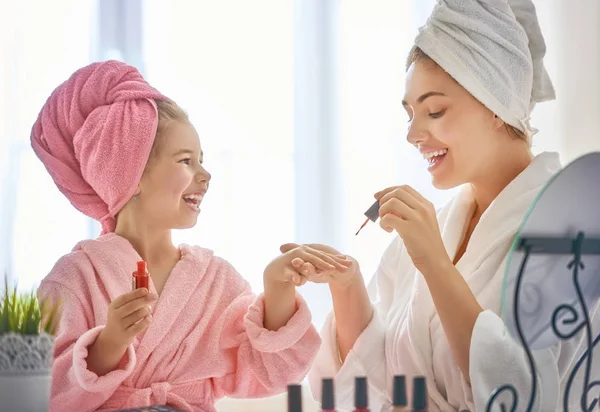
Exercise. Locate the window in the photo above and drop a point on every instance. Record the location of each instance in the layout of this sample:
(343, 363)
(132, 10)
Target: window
(38, 224)
(233, 73)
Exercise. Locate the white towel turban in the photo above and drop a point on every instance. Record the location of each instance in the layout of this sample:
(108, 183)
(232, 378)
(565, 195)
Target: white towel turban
(495, 50)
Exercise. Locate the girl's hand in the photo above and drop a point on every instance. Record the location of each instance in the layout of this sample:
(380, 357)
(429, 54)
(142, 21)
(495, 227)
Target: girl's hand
(128, 316)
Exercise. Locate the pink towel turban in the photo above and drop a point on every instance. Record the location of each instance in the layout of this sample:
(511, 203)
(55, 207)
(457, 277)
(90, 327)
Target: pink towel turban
(94, 136)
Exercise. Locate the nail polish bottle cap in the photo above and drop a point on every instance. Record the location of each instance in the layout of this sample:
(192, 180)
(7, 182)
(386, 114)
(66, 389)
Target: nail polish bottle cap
(327, 397)
(419, 394)
(373, 212)
(400, 398)
(141, 267)
(360, 393)
(294, 398)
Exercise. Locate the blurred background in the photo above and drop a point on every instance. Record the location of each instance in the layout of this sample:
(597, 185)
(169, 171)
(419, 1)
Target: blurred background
(298, 108)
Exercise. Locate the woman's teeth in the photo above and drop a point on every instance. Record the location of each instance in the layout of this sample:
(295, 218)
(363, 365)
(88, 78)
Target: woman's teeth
(431, 157)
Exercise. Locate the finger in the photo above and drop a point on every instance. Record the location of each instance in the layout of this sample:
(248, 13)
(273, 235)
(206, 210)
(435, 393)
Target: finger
(139, 327)
(415, 194)
(384, 192)
(136, 316)
(316, 260)
(343, 259)
(130, 307)
(127, 297)
(303, 281)
(308, 269)
(326, 257)
(286, 247)
(297, 263)
(391, 222)
(404, 196)
(323, 248)
(397, 207)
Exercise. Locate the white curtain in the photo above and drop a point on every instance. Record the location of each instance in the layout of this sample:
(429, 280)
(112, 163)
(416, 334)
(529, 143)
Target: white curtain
(234, 66)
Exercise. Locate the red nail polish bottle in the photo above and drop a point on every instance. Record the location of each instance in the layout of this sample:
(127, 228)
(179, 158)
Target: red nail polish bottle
(141, 278)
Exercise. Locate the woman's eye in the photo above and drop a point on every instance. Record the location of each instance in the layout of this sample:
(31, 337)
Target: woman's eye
(436, 115)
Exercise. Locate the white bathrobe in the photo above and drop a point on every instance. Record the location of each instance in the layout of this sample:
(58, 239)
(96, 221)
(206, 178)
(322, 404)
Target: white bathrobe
(405, 336)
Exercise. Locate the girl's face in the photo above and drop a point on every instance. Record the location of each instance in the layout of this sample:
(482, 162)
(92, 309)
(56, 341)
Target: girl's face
(174, 182)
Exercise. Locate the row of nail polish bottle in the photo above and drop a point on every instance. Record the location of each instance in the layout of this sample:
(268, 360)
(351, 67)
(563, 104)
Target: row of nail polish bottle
(361, 400)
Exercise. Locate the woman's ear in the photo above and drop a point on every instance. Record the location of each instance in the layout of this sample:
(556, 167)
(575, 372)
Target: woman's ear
(497, 122)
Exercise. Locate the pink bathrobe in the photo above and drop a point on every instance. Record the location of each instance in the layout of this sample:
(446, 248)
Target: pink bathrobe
(206, 339)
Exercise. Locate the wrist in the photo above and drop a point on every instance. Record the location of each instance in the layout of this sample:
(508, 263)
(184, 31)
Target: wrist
(107, 345)
(436, 267)
(277, 285)
(351, 283)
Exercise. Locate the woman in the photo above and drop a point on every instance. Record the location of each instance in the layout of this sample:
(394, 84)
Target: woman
(473, 77)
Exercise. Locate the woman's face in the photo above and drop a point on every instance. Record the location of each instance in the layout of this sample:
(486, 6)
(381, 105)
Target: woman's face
(456, 134)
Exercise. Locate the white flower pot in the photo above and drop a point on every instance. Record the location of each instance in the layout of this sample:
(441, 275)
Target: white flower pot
(25, 371)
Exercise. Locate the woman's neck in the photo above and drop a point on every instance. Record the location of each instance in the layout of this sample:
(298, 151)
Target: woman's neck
(505, 168)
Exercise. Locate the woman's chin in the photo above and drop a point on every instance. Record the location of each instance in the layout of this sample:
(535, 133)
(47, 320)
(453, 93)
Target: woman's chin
(442, 182)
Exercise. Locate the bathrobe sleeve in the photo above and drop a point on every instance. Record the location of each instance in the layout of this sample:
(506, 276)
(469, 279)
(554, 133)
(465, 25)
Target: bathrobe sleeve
(367, 356)
(261, 362)
(74, 387)
(509, 365)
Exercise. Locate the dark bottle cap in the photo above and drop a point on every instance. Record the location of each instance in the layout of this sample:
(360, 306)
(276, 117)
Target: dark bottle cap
(419, 394)
(294, 398)
(361, 399)
(327, 397)
(373, 212)
(400, 398)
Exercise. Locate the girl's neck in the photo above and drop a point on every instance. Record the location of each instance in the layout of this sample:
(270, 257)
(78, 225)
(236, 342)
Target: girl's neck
(154, 246)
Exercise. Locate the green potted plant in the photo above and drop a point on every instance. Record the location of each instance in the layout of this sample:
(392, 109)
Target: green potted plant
(27, 330)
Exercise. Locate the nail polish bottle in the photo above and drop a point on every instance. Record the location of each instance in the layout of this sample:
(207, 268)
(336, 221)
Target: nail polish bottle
(294, 398)
(399, 400)
(361, 399)
(419, 399)
(327, 396)
(141, 278)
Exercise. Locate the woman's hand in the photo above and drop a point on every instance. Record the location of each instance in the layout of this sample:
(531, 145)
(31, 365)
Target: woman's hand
(413, 217)
(342, 275)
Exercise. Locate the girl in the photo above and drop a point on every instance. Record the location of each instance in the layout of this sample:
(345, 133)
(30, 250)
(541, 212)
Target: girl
(128, 156)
